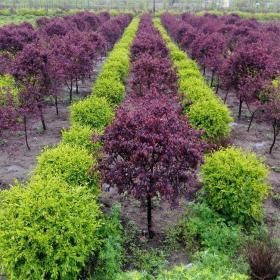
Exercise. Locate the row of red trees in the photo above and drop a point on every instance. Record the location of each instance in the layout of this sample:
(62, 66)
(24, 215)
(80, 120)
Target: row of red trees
(243, 55)
(150, 150)
(60, 52)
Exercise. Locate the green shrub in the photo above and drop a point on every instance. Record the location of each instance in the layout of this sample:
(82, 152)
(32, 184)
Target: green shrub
(80, 136)
(94, 111)
(192, 85)
(177, 55)
(202, 228)
(206, 266)
(5, 12)
(120, 66)
(134, 275)
(113, 90)
(213, 117)
(8, 86)
(234, 182)
(110, 257)
(48, 230)
(71, 164)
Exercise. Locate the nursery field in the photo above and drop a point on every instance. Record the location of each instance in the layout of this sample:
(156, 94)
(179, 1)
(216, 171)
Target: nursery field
(140, 147)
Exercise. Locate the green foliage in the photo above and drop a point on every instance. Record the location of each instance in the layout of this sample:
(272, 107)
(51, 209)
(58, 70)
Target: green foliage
(8, 86)
(48, 230)
(109, 87)
(94, 111)
(149, 261)
(235, 184)
(207, 266)
(110, 84)
(134, 275)
(211, 116)
(80, 136)
(202, 228)
(70, 163)
(110, 257)
(214, 119)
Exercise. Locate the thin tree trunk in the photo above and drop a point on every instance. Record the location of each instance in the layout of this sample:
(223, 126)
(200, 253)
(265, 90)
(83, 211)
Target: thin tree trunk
(218, 85)
(226, 96)
(212, 79)
(25, 132)
(240, 108)
(77, 86)
(42, 118)
(56, 104)
(204, 70)
(149, 216)
(71, 91)
(251, 120)
(275, 133)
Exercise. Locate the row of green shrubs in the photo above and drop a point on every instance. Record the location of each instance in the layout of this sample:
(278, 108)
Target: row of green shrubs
(259, 16)
(204, 109)
(32, 12)
(52, 227)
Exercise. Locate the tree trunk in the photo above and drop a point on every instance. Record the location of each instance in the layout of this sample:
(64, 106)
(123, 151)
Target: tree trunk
(212, 79)
(25, 132)
(71, 91)
(218, 85)
(226, 96)
(240, 108)
(204, 70)
(251, 120)
(42, 118)
(56, 104)
(275, 134)
(149, 216)
(77, 86)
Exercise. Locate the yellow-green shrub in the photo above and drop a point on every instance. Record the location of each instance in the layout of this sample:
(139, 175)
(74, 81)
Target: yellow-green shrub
(234, 184)
(110, 83)
(70, 163)
(110, 88)
(196, 92)
(80, 136)
(48, 230)
(94, 111)
(212, 116)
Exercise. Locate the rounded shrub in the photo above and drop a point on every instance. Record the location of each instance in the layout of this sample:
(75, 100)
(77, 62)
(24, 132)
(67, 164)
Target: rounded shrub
(48, 230)
(109, 73)
(211, 116)
(119, 67)
(81, 136)
(177, 55)
(113, 90)
(70, 163)
(196, 93)
(234, 183)
(94, 111)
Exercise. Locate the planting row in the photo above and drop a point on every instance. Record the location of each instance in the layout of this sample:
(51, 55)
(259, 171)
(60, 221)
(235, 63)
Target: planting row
(204, 109)
(53, 228)
(151, 151)
(243, 55)
(37, 63)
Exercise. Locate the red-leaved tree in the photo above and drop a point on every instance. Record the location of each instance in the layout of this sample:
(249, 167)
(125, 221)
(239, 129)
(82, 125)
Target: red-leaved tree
(150, 150)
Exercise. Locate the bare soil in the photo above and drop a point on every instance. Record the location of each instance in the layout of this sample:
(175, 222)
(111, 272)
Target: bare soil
(16, 161)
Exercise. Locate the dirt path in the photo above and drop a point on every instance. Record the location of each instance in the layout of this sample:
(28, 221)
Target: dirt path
(16, 162)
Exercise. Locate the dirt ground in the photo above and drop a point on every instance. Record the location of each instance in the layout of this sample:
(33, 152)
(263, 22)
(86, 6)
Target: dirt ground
(16, 161)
